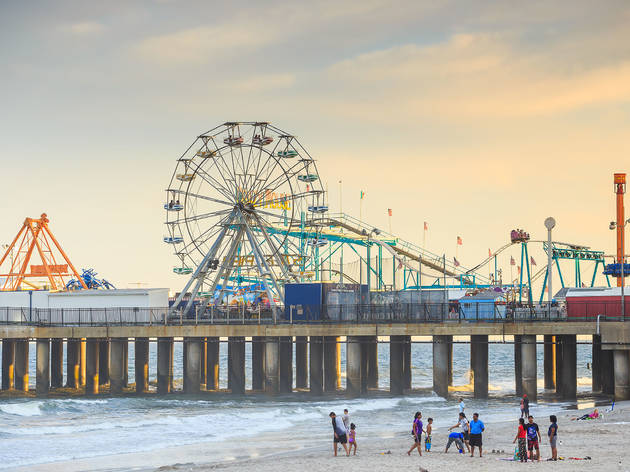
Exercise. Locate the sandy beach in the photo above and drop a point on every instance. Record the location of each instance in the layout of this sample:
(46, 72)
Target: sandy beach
(602, 440)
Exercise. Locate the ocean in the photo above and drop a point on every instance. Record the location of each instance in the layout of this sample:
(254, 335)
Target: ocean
(41, 431)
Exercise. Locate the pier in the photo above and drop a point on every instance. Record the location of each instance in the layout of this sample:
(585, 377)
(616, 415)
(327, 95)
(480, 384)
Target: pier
(97, 354)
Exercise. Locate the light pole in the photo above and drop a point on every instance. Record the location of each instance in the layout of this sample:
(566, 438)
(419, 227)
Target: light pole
(550, 223)
(613, 226)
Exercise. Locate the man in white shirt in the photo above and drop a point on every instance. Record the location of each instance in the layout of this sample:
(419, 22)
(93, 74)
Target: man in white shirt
(340, 434)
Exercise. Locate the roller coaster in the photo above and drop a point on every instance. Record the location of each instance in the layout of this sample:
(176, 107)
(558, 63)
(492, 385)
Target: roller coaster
(245, 207)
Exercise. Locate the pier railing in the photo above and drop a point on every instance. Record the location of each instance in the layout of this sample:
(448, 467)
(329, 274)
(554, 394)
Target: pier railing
(306, 314)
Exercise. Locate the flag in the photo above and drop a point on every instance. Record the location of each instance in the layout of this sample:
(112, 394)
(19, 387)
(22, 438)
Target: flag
(389, 211)
(456, 262)
(459, 241)
(426, 226)
(400, 264)
(512, 261)
(583, 285)
(489, 253)
(518, 268)
(362, 194)
(532, 260)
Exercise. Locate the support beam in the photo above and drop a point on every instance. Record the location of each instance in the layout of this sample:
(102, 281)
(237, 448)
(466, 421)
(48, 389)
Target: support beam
(126, 363)
(441, 347)
(607, 374)
(558, 342)
(141, 361)
(56, 363)
(236, 373)
(117, 365)
(330, 363)
(73, 363)
(258, 363)
(316, 364)
(549, 362)
(396, 383)
(204, 360)
(450, 360)
(596, 364)
(286, 364)
(530, 371)
(301, 362)
(406, 363)
(192, 366)
(568, 378)
(518, 365)
(372, 353)
(82, 360)
(8, 364)
(364, 363)
(272, 365)
(479, 364)
(103, 362)
(165, 365)
(42, 377)
(353, 365)
(622, 374)
(92, 358)
(212, 363)
(21, 365)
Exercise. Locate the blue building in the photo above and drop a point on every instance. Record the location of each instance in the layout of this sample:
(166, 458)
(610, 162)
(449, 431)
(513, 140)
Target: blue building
(487, 305)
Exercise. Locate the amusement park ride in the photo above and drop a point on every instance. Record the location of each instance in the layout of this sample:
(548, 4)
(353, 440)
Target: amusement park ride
(245, 207)
(36, 239)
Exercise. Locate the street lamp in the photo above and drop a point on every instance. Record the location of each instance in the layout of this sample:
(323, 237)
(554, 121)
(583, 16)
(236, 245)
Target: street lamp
(550, 223)
(613, 226)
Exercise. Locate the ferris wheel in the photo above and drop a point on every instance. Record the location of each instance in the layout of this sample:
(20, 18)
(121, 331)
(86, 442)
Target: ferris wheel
(242, 208)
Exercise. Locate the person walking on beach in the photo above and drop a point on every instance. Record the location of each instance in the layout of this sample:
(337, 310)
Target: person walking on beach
(417, 433)
(352, 438)
(533, 438)
(524, 407)
(463, 424)
(462, 405)
(346, 419)
(476, 429)
(521, 436)
(339, 432)
(552, 433)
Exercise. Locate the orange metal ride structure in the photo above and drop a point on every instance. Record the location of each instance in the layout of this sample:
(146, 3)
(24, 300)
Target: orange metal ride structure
(620, 189)
(35, 237)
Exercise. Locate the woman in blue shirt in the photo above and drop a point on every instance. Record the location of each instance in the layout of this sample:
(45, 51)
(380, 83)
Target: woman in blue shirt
(476, 428)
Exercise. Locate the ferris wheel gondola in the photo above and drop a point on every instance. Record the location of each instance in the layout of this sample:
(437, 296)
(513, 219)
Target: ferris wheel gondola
(242, 208)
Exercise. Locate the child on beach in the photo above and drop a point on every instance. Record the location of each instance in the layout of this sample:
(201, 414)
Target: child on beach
(352, 439)
(521, 436)
(427, 438)
(552, 433)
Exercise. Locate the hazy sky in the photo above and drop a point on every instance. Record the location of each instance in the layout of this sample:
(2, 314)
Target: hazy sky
(475, 116)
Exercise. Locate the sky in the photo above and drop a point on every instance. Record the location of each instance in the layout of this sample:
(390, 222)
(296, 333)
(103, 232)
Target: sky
(474, 116)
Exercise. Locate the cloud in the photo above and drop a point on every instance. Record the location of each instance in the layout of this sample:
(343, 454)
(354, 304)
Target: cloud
(84, 28)
(263, 83)
(474, 75)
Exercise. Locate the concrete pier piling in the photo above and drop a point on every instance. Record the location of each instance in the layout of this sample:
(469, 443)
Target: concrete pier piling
(621, 360)
(272, 365)
(73, 363)
(192, 366)
(92, 358)
(316, 364)
(406, 374)
(117, 365)
(165, 365)
(354, 363)
(607, 372)
(212, 363)
(331, 361)
(596, 364)
(126, 363)
(258, 363)
(568, 368)
(42, 375)
(396, 354)
(441, 346)
(372, 362)
(56, 363)
(21, 365)
(518, 365)
(286, 364)
(301, 362)
(141, 361)
(236, 371)
(82, 360)
(103, 362)
(550, 362)
(529, 363)
(479, 364)
(8, 364)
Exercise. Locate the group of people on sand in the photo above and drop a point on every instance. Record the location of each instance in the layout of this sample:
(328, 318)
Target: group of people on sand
(344, 432)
